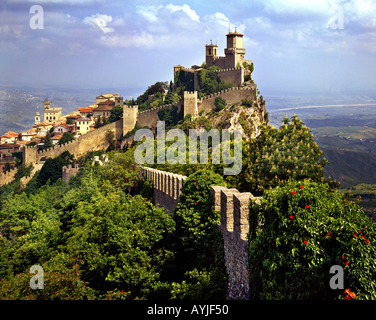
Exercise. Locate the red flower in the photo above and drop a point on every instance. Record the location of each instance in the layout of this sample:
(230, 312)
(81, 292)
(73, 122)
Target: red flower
(343, 257)
(307, 206)
(305, 242)
(291, 217)
(196, 185)
(347, 298)
(354, 235)
(360, 231)
(367, 241)
(364, 228)
(347, 263)
(301, 187)
(293, 192)
(205, 176)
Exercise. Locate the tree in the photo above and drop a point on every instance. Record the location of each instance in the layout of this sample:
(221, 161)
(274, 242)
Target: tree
(110, 138)
(66, 137)
(119, 238)
(52, 168)
(298, 232)
(279, 155)
(47, 143)
(116, 113)
(219, 103)
(199, 243)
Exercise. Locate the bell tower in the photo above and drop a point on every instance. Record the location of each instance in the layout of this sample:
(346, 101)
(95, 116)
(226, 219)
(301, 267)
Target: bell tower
(234, 52)
(47, 104)
(211, 53)
(37, 118)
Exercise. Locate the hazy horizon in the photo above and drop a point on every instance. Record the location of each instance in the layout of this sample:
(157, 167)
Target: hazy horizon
(298, 47)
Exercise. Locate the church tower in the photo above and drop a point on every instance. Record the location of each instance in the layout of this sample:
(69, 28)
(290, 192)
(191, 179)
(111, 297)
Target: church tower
(211, 54)
(234, 52)
(47, 104)
(37, 118)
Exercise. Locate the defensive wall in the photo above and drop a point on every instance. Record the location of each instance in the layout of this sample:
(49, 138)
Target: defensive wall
(234, 224)
(7, 177)
(233, 75)
(69, 171)
(149, 118)
(91, 141)
(231, 95)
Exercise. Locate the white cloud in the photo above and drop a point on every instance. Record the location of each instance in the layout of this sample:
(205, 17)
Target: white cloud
(99, 20)
(186, 9)
(150, 13)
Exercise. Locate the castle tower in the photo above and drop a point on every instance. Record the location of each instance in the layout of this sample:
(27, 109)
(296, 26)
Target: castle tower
(190, 103)
(130, 114)
(37, 118)
(211, 51)
(234, 52)
(47, 104)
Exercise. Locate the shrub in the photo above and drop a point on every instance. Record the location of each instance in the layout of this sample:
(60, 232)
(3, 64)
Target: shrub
(199, 243)
(305, 230)
(219, 103)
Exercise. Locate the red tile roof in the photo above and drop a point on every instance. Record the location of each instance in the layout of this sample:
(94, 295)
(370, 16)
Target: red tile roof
(85, 110)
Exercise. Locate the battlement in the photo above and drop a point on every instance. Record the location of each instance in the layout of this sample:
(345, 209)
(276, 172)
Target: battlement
(167, 187)
(69, 171)
(157, 108)
(227, 70)
(7, 177)
(251, 87)
(233, 207)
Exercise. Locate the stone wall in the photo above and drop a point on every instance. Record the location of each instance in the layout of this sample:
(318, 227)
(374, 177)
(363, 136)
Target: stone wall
(91, 141)
(167, 187)
(7, 177)
(25, 180)
(235, 76)
(190, 103)
(69, 171)
(231, 95)
(149, 118)
(234, 210)
(234, 226)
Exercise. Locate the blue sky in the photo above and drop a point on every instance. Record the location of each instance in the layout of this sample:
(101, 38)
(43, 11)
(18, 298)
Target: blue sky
(128, 45)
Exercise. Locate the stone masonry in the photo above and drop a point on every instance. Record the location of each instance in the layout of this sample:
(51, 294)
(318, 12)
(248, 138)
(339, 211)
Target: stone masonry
(234, 226)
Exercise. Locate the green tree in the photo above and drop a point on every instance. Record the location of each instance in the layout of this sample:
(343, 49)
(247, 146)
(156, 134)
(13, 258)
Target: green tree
(110, 138)
(219, 103)
(119, 238)
(199, 243)
(52, 168)
(47, 143)
(298, 232)
(279, 155)
(116, 113)
(65, 138)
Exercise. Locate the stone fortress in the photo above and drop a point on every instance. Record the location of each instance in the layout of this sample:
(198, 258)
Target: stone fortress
(191, 104)
(232, 205)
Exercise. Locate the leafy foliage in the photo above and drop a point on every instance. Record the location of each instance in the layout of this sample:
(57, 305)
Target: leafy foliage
(66, 137)
(199, 243)
(52, 168)
(304, 229)
(278, 155)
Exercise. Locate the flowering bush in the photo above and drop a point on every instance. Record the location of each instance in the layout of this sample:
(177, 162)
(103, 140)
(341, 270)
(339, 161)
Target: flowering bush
(303, 229)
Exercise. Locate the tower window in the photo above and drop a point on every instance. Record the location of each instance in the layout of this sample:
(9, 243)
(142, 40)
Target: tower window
(209, 51)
